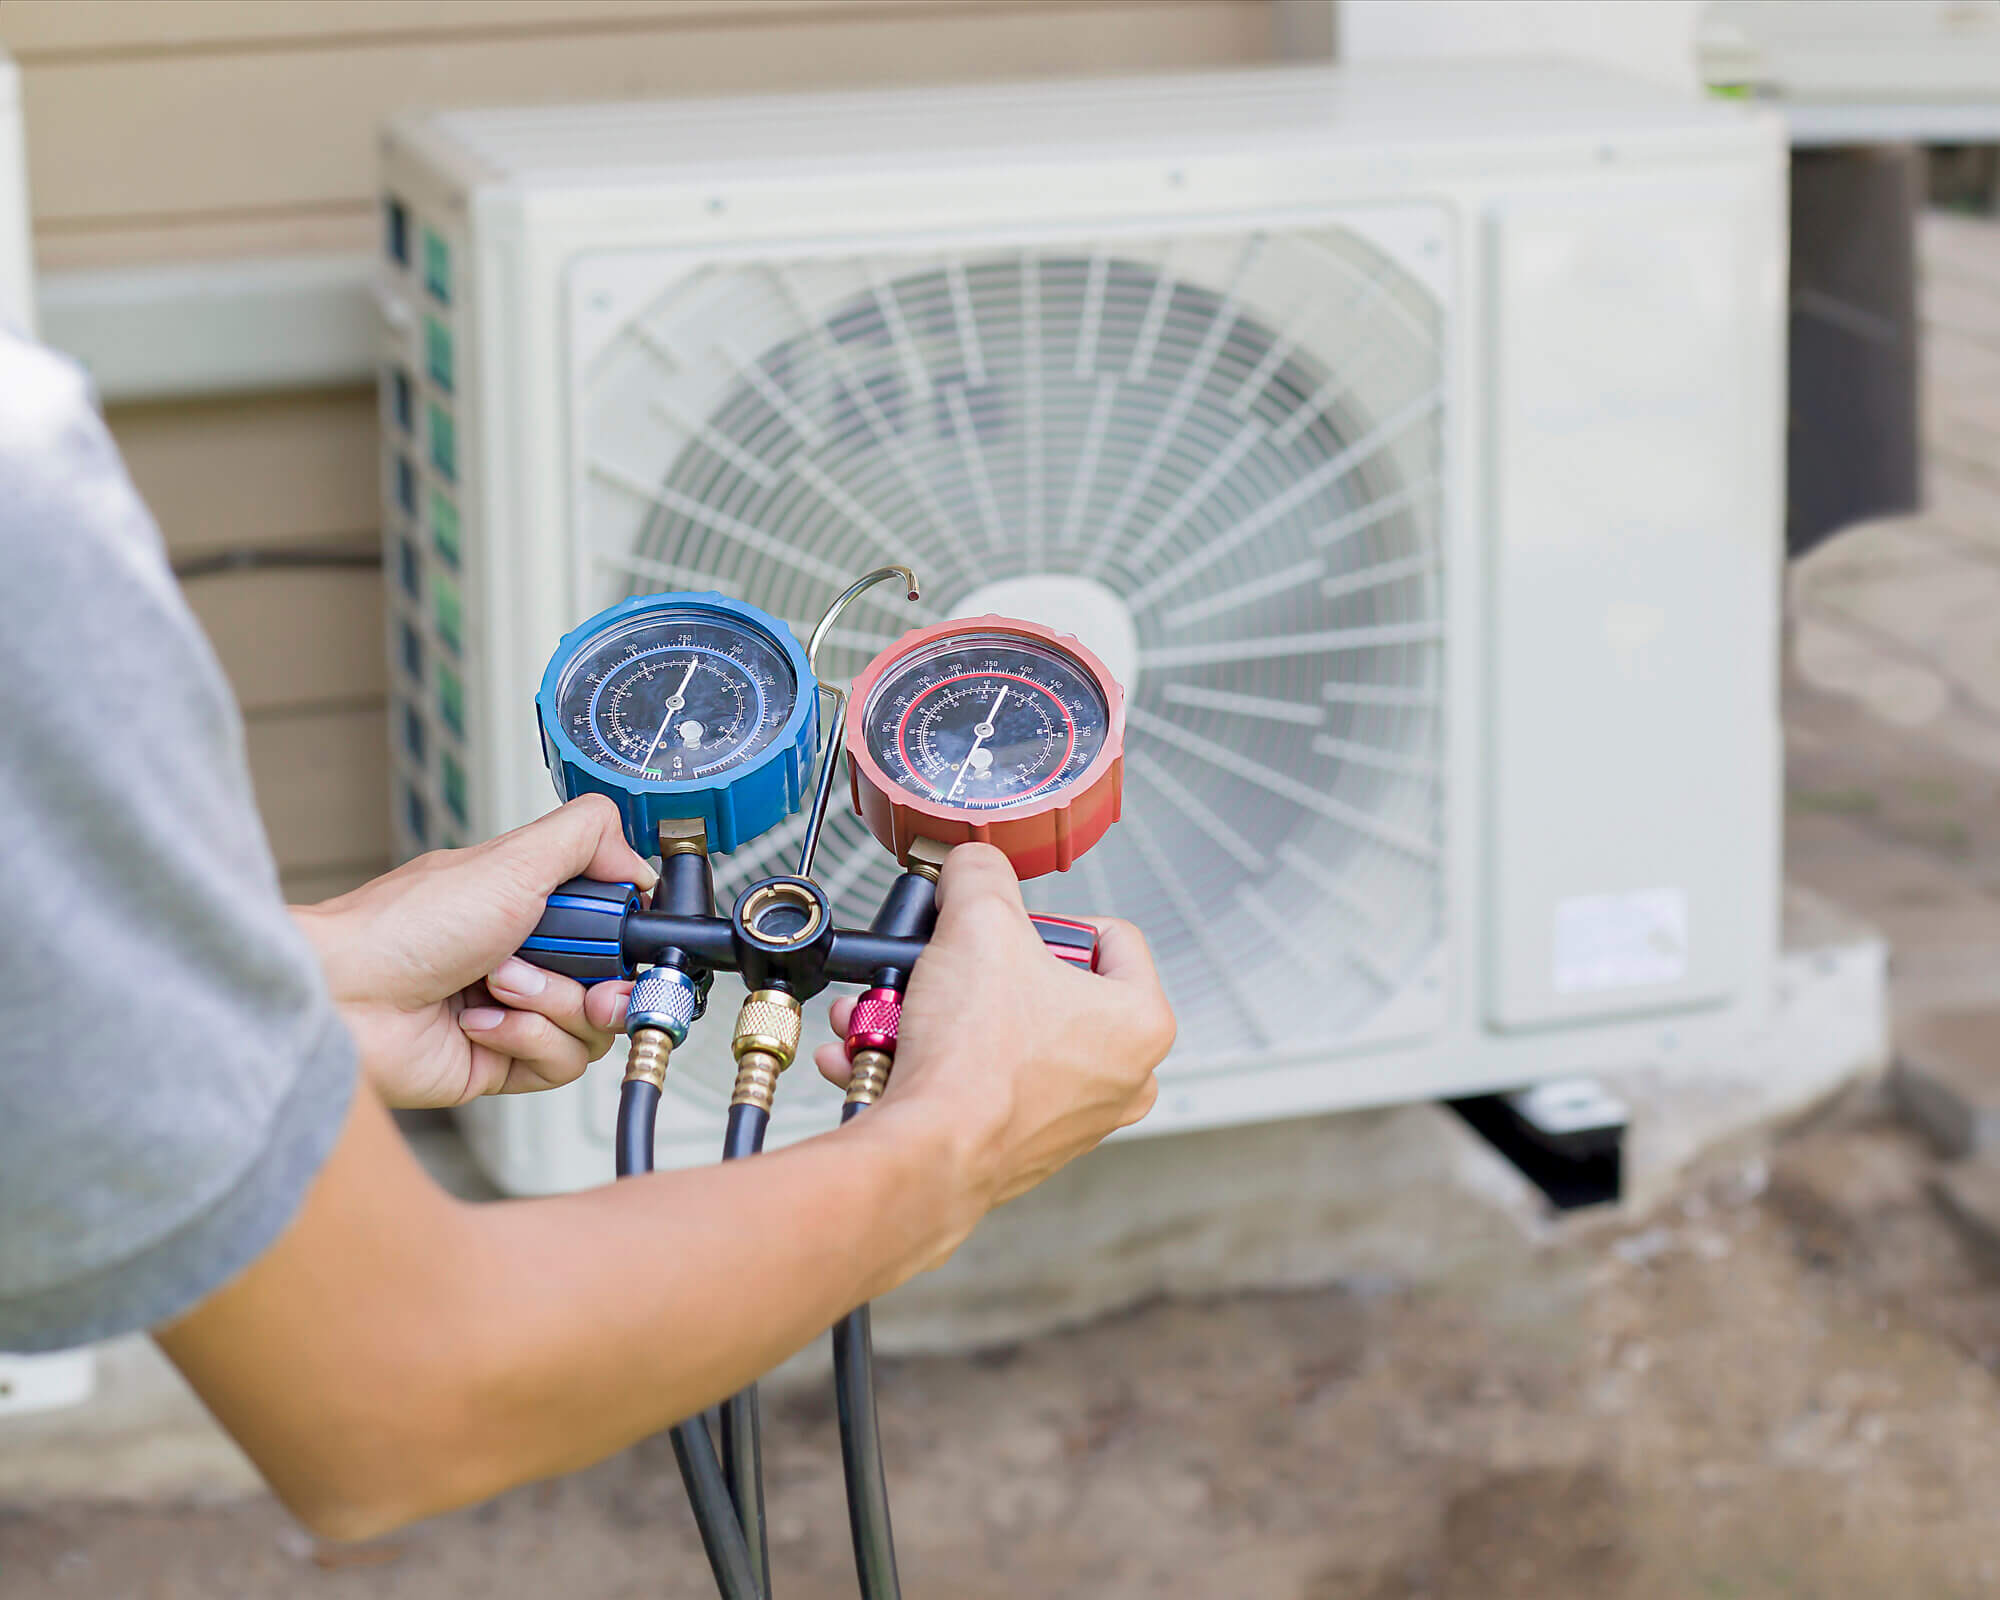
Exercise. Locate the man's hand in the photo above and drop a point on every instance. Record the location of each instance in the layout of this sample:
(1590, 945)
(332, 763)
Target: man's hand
(1030, 1061)
(421, 963)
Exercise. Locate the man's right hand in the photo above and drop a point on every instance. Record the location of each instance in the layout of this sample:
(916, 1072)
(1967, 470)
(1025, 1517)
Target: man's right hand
(1029, 1062)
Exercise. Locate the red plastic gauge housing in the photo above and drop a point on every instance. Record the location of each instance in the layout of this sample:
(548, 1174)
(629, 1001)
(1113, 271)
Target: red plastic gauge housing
(1054, 821)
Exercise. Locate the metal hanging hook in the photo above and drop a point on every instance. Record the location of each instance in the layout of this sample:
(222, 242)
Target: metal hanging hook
(836, 726)
(846, 598)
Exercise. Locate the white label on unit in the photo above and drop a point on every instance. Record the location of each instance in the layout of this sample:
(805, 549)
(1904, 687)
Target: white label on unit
(1621, 941)
(46, 1383)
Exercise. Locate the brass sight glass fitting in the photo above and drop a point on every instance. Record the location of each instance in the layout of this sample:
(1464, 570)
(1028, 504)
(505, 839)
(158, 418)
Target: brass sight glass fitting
(770, 902)
(765, 1043)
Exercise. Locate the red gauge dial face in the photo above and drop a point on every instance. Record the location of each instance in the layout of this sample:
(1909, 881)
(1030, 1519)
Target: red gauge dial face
(983, 721)
(988, 729)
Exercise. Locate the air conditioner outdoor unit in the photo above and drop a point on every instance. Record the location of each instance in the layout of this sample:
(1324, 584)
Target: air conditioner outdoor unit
(1407, 440)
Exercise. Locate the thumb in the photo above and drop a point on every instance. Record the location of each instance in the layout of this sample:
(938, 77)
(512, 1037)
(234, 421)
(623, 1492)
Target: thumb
(978, 889)
(584, 839)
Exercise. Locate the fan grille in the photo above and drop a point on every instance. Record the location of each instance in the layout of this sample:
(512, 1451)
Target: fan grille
(1239, 437)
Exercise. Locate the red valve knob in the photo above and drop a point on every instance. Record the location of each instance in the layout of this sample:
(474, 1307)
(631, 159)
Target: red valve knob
(873, 1024)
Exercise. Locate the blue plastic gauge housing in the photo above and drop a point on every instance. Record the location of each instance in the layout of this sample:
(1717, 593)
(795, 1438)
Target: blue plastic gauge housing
(682, 705)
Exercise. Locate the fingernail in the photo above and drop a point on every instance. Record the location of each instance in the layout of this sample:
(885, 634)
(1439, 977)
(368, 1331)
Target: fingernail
(518, 977)
(620, 1004)
(481, 1019)
(646, 878)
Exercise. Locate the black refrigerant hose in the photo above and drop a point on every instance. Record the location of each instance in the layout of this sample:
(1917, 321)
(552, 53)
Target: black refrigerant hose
(745, 1133)
(694, 1451)
(725, 1490)
(742, 1426)
(909, 911)
(861, 1447)
(687, 887)
(638, 1112)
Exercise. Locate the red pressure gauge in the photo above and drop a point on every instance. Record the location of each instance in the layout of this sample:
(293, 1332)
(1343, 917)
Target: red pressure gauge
(988, 729)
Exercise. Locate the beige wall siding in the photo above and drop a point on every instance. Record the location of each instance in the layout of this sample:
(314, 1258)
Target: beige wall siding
(56, 28)
(174, 130)
(235, 134)
(296, 641)
(265, 469)
(323, 783)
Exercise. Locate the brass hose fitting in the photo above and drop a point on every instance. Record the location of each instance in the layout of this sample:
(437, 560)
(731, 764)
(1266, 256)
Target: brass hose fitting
(925, 858)
(765, 1043)
(871, 1076)
(683, 836)
(647, 1061)
(664, 1003)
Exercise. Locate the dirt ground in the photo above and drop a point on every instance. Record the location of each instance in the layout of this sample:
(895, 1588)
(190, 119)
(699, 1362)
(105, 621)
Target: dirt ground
(1779, 1384)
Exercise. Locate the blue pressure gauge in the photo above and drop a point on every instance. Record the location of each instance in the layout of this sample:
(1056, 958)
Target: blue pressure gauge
(682, 705)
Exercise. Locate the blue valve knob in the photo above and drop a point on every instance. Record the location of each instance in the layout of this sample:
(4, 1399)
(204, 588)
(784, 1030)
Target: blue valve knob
(581, 933)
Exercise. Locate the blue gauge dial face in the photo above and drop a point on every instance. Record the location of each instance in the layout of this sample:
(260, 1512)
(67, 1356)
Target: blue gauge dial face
(986, 720)
(676, 695)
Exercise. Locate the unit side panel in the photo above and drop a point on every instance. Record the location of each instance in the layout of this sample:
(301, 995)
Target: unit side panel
(1635, 425)
(431, 568)
(522, 530)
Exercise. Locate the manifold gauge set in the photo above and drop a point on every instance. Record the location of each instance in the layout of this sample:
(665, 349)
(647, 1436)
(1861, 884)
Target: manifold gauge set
(704, 720)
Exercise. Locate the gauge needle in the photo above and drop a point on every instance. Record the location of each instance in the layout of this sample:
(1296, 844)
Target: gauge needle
(674, 703)
(980, 735)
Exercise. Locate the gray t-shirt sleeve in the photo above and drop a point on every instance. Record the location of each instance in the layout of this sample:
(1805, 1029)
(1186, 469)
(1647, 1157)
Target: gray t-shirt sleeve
(172, 1071)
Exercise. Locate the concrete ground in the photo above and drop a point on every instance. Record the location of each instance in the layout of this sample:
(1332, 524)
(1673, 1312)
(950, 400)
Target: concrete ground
(1778, 1380)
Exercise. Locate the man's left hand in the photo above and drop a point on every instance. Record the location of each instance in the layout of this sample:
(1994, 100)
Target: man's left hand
(421, 963)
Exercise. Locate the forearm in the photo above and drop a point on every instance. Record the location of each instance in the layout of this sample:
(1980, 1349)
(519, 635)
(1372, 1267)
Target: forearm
(631, 1307)
(398, 1353)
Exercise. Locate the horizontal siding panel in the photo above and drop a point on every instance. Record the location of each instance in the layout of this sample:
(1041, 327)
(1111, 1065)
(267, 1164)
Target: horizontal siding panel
(296, 639)
(323, 786)
(256, 470)
(37, 28)
(353, 229)
(211, 137)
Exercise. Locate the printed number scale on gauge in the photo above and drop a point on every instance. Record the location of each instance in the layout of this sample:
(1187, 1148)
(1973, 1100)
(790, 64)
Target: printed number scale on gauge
(689, 706)
(986, 721)
(673, 696)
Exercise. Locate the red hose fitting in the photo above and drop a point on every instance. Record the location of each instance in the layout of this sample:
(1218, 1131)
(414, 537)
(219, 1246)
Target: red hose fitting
(871, 1045)
(873, 1026)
